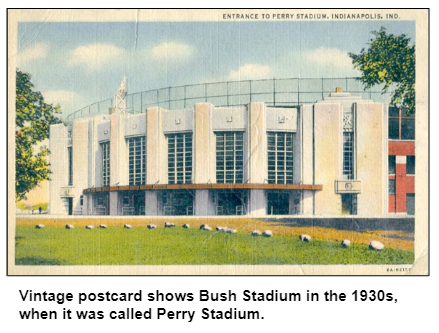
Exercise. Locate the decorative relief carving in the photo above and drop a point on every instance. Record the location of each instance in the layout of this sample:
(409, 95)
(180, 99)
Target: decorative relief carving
(348, 123)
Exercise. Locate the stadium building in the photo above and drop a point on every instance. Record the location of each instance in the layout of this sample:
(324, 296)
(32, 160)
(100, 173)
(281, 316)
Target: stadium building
(327, 158)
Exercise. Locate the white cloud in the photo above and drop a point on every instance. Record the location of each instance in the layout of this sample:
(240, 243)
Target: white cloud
(251, 71)
(34, 52)
(60, 96)
(172, 51)
(95, 56)
(329, 57)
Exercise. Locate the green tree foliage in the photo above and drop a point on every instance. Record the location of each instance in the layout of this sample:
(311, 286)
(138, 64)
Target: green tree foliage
(33, 118)
(389, 60)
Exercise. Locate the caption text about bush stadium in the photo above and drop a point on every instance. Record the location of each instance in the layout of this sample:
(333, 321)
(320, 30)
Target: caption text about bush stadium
(60, 300)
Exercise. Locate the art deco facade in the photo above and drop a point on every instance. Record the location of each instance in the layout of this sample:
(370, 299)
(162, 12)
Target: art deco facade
(329, 158)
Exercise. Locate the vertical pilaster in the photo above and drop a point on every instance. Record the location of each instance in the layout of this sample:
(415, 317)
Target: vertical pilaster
(202, 203)
(58, 165)
(118, 152)
(328, 151)
(258, 203)
(204, 170)
(151, 204)
(307, 203)
(257, 144)
(81, 159)
(114, 204)
(370, 156)
(297, 149)
(306, 132)
(85, 204)
(156, 148)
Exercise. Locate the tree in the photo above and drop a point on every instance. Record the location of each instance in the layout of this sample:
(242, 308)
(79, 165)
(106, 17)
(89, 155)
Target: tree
(33, 118)
(389, 60)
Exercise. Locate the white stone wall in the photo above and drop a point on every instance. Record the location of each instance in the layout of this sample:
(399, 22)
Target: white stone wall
(82, 159)
(317, 145)
(59, 176)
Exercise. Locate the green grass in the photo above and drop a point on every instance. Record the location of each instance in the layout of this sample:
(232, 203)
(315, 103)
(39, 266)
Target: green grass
(178, 246)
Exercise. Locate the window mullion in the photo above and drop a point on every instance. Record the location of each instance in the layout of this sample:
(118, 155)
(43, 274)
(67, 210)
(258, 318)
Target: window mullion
(224, 161)
(275, 157)
(234, 158)
(285, 158)
(184, 158)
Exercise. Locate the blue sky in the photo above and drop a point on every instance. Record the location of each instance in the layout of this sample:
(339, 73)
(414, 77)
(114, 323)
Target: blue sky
(78, 63)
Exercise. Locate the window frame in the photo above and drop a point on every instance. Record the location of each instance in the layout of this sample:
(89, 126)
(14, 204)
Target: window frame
(400, 118)
(394, 164)
(180, 158)
(136, 160)
(70, 162)
(106, 171)
(407, 165)
(280, 157)
(392, 188)
(229, 152)
(348, 155)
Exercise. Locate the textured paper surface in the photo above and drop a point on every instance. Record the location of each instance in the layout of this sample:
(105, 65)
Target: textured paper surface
(420, 266)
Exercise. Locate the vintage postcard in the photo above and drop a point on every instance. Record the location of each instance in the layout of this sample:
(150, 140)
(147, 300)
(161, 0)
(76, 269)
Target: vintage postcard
(218, 142)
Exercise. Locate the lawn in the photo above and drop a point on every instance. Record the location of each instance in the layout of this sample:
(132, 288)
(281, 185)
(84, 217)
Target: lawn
(54, 245)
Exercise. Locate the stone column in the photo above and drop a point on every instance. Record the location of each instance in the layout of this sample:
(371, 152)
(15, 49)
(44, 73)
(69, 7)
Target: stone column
(114, 204)
(328, 150)
(59, 168)
(156, 148)
(257, 144)
(258, 203)
(202, 203)
(371, 158)
(151, 203)
(204, 167)
(81, 159)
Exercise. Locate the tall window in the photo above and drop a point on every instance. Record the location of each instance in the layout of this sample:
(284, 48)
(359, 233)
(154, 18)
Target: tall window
(410, 197)
(348, 155)
(392, 186)
(137, 160)
(410, 165)
(180, 158)
(69, 153)
(280, 158)
(392, 164)
(401, 124)
(105, 163)
(229, 157)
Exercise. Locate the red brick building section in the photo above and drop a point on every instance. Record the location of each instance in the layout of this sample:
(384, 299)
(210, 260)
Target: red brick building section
(401, 161)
